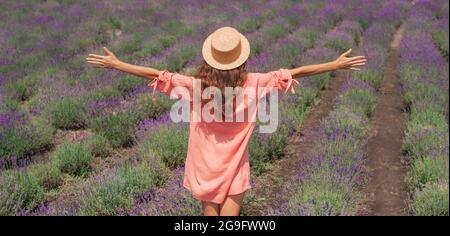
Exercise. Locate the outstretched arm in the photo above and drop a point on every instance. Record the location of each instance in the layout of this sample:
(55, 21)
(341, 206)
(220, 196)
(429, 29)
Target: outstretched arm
(162, 81)
(111, 61)
(342, 62)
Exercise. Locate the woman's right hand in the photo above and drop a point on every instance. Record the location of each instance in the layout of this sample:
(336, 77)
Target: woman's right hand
(352, 63)
(106, 61)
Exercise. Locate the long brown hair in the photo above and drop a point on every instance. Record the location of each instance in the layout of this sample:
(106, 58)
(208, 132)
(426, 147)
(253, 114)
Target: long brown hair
(221, 79)
(211, 76)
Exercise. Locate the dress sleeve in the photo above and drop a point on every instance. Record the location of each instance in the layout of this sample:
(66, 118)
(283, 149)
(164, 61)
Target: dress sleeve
(167, 81)
(279, 79)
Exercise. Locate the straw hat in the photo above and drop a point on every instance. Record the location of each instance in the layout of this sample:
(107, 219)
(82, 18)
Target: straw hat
(226, 49)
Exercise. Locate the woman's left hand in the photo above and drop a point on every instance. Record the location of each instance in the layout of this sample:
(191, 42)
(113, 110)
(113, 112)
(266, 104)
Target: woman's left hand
(351, 63)
(106, 61)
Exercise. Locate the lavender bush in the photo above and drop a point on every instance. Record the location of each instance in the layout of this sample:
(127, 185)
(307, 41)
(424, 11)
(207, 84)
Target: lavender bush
(19, 191)
(327, 183)
(426, 142)
(114, 193)
(72, 158)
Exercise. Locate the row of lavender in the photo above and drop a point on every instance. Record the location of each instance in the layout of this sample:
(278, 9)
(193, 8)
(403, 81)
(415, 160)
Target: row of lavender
(327, 183)
(105, 184)
(424, 76)
(111, 115)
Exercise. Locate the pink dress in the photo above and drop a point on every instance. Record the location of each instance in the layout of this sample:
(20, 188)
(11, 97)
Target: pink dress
(217, 163)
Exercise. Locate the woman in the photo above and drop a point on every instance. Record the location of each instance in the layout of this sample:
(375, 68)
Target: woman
(217, 169)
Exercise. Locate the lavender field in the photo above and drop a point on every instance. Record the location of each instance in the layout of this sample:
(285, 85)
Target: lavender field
(79, 140)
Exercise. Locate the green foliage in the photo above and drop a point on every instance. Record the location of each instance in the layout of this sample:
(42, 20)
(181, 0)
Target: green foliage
(318, 197)
(168, 144)
(370, 76)
(157, 47)
(23, 140)
(105, 92)
(23, 89)
(98, 145)
(166, 41)
(250, 24)
(106, 198)
(308, 37)
(275, 32)
(130, 45)
(79, 44)
(357, 101)
(440, 37)
(339, 45)
(431, 200)
(344, 119)
(68, 113)
(114, 193)
(48, 175)
(149, 50)
(427, 119)
(421, 92)
(118, 128)
(172, 25)
(149, 108)
(144, 176)
(409, 75)
(33, 102)
(287, 55)
(73, 159)
(175, 62)
(426, 135)
(296, 111)
(19, 191)
(30, 61)
(426, 170)
(322, 81)
(42, 133)
(339, 153)
(264, 149)
(101, 36)
(14, 142)
(11, 104)
(115, 23)
(124, 85)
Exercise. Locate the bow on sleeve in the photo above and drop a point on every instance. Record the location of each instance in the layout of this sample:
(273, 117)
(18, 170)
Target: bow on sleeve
(284, 81)
(161, 83)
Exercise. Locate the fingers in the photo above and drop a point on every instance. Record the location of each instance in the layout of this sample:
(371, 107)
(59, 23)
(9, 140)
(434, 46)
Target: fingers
(356, 61)
(357, 58)
(95, 60)
(346, 53)
(96, 56)
(355, 66)
(96, 63)
(107, 51)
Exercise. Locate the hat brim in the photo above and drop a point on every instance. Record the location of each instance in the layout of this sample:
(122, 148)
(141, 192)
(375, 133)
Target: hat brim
(208, 57)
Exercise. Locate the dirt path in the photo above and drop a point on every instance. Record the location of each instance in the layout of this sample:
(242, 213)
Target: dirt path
(270, 186)
(386, 191)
